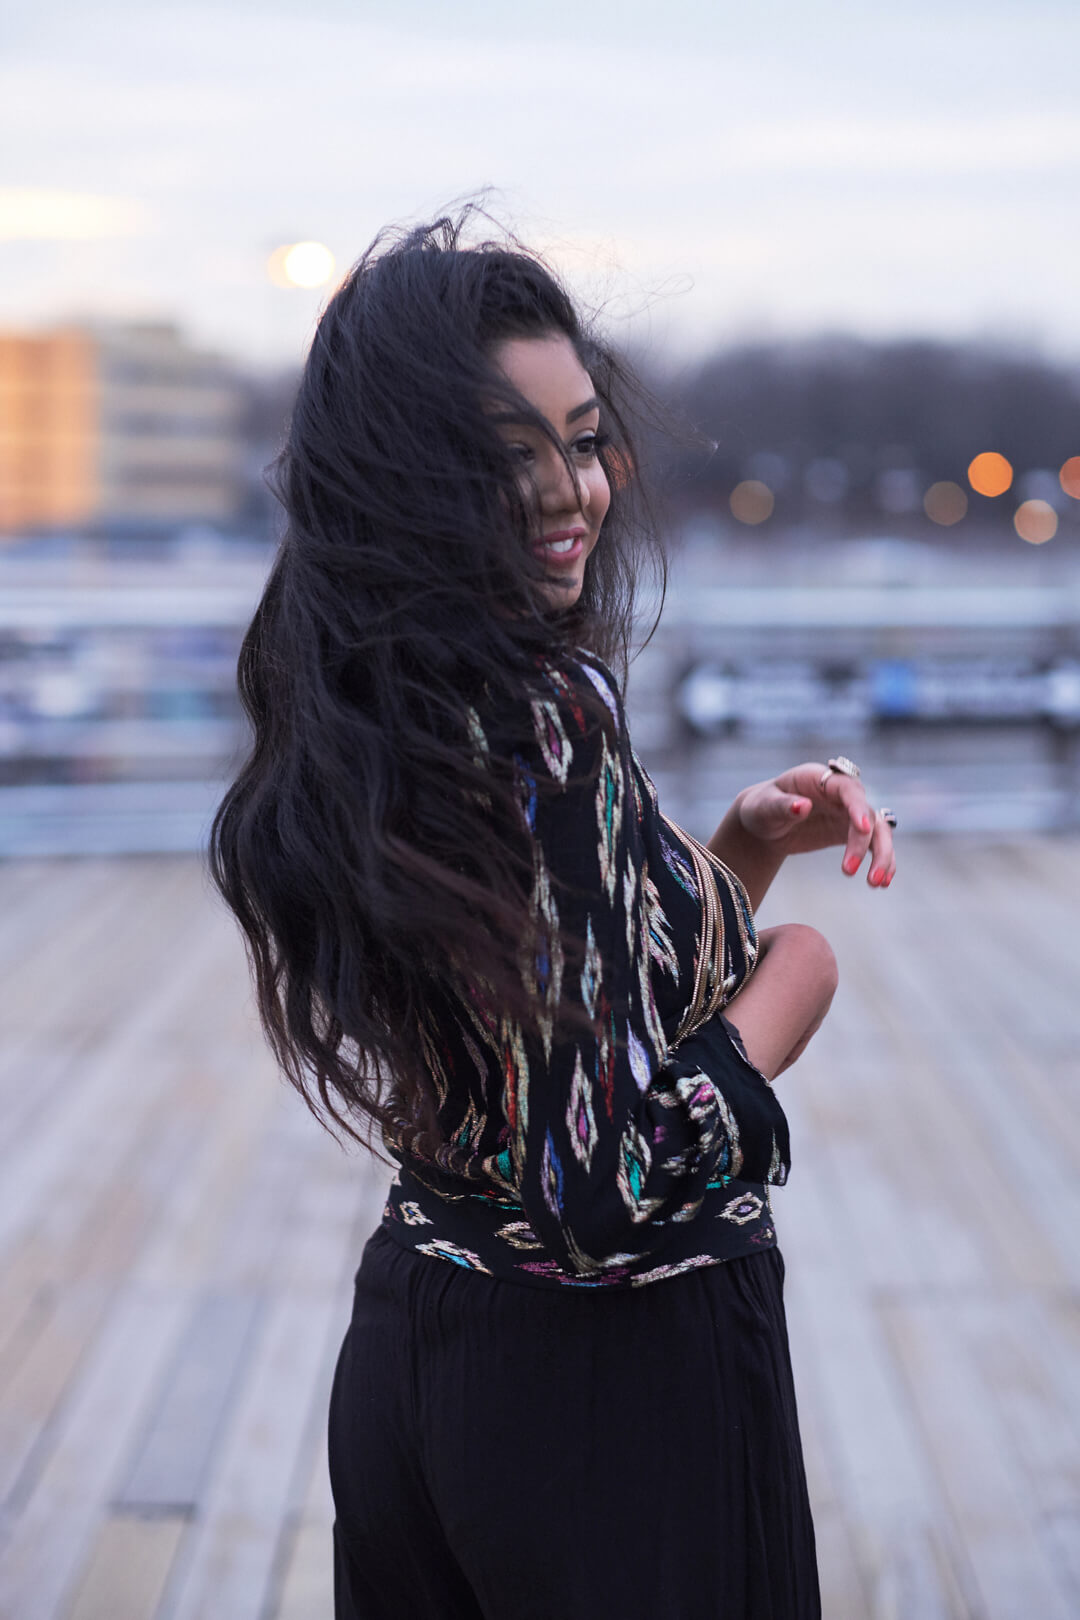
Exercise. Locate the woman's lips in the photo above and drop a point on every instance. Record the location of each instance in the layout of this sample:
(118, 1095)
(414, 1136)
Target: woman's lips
(562, 548)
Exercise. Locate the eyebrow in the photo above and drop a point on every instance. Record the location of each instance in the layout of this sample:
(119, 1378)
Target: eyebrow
(583, 410)
(510, 419)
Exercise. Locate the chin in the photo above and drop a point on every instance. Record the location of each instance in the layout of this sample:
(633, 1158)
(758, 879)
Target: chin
(564, 596)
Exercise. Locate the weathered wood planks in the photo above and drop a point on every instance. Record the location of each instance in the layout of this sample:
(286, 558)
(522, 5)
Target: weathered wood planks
(177, 1239)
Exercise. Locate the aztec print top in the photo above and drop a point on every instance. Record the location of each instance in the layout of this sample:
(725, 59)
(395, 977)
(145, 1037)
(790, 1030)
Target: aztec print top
(580, 1161)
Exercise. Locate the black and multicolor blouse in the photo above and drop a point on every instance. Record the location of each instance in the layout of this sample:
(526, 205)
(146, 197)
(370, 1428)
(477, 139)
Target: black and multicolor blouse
(620, 1157)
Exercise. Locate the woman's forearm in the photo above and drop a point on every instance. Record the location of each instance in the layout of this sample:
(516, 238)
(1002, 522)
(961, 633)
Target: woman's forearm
(753, 861)
(786, 998)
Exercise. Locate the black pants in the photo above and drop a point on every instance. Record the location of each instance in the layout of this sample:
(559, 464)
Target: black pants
(505, 1453)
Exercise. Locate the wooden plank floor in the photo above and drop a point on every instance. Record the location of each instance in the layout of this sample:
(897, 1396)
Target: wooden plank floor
(178, 1238)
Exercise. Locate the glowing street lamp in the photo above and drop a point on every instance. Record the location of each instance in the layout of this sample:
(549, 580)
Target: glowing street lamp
(751, 501)
(945, 503)
(1036, 522)
(300, 264)
(990, 474)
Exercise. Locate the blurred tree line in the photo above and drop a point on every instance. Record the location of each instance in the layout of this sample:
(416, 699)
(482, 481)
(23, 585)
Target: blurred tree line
(847, 425)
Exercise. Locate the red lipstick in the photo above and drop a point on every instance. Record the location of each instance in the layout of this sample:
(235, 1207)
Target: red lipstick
(569, 554)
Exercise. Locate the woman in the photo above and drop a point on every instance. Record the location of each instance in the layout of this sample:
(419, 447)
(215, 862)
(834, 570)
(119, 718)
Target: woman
(565, 1389)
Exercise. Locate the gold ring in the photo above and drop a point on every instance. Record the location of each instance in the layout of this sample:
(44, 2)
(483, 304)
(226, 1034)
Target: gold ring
(840, 766)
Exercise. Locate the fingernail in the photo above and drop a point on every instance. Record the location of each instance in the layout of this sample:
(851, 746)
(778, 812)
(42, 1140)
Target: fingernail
(850, 864)
(875, 876)
(865, 823)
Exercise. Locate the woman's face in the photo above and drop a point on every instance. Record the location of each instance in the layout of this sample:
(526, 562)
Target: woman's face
(572, 506)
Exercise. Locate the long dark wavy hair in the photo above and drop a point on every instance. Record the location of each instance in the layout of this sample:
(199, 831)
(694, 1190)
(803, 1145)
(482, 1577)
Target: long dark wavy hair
(364, 849)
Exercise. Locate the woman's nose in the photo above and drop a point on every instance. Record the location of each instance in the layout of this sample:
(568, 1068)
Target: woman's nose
(562, 490)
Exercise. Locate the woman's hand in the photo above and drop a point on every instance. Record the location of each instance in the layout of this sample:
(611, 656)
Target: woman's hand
(811, 807)
(808, 807)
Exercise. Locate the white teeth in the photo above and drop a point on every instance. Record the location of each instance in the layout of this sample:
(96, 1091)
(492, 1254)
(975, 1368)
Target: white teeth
(562, 545)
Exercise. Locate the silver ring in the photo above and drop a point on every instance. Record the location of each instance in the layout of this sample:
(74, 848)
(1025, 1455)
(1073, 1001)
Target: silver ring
(887, 816)
(840, 766)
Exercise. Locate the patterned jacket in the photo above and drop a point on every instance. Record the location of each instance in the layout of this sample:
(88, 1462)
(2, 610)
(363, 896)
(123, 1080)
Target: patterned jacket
(618, 1157)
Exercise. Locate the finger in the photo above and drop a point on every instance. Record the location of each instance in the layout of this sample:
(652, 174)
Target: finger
(852, 797)
(848, 795)
(856, 847)
(882, 855)
(774, 810)
(784, 805)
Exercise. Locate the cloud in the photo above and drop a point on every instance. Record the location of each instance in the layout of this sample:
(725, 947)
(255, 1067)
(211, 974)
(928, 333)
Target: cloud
(31, 214)
(829, 164)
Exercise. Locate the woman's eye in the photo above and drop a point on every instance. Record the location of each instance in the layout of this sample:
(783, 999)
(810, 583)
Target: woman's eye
(585, 448)
(589, 444)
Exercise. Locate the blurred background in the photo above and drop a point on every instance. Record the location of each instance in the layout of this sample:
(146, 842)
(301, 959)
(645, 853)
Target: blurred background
(837, 239)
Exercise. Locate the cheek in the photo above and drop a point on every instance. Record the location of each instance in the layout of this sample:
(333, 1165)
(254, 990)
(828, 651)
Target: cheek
(599, 495)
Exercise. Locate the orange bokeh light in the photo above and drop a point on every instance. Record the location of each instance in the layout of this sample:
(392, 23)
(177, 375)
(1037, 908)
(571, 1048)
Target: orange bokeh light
(1036, 522)
(752, 501)
(1070, 477)
(990, 474)
(945, 503)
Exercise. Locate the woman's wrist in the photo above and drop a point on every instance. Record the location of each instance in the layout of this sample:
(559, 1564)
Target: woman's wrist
(755, 861)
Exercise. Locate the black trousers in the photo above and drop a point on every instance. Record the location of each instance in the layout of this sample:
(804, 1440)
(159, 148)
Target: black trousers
(505, 1453)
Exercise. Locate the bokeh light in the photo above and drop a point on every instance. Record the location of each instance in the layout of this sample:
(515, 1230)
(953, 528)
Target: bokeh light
(990, 474)
(945, 503)
(1070, 477)
(1036, 522)
(752, 501)
(301, 264)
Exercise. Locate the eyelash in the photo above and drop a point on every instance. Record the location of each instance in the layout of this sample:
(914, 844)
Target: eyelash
(593, 442)
(588, 446)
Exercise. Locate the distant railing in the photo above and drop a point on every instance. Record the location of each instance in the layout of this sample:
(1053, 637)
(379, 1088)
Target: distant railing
(120, 724)
(965, 701)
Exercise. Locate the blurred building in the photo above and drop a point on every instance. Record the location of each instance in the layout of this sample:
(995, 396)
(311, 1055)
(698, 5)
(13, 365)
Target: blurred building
(117, 427)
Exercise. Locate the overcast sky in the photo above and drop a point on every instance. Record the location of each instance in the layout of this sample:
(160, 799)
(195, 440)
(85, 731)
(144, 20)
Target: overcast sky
(708, 169)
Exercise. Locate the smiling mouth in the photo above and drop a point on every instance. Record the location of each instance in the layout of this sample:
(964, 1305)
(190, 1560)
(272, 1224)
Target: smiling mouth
(562, 547)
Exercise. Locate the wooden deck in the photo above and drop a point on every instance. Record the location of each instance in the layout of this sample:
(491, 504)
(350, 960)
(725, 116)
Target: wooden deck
(178, 1239)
